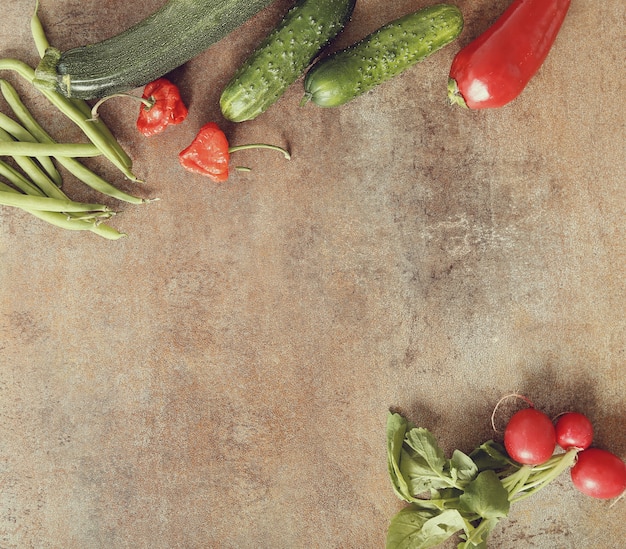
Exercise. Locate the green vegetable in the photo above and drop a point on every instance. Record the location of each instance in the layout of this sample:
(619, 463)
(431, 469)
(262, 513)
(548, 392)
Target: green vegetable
(382, 55)
(466, 494)
(168, 38)
(32, 131)
(76, 150)
(283, 57)
(36, 189)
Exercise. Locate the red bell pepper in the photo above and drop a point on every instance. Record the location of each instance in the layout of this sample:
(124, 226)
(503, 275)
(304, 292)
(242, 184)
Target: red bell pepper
(209, 153)
(493, 69)
(162, 106)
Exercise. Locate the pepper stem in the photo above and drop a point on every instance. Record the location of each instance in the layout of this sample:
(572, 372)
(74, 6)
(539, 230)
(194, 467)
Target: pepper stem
(454, 94)
(148, 103)
(260, 146)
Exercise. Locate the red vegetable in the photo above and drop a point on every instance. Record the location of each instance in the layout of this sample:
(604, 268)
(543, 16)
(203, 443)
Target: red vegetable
(209, 153)
(599, 474)
(493, 70)
(574, 430)
(529, 437)
(163, 106)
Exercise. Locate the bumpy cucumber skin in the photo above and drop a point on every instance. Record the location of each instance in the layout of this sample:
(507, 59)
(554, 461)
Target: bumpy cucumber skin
(165, 40)
(382, 55)
(283, 57)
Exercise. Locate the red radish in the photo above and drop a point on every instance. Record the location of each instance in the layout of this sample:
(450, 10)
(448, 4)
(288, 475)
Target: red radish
(599, 474)
(529, 437)
(574, 430)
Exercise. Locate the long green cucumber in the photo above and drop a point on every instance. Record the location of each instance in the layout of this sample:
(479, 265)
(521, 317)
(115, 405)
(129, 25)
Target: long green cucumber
(283, 57)
(382, 55)
(163, 41)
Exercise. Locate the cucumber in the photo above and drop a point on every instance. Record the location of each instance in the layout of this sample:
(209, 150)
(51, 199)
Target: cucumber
(382, 55)
(283, 57)
(163, 41)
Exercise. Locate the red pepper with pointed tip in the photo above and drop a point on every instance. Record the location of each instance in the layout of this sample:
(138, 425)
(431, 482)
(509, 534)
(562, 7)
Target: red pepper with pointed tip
(209, 153)
(163, 106)
(494, 69)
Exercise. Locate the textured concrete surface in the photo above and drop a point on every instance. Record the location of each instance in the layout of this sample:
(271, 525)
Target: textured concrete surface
(221, 377)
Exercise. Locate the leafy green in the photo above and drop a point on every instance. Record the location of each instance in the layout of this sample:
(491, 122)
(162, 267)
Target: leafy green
(415, 527)
(422, 462)
(486, 497)
(490, 455)
(462, 467)
(396, 430)
(466, 494)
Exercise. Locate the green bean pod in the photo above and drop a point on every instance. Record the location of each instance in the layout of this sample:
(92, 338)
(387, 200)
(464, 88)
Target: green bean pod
(33, 170)
(93, 224)
(38, 133)
(19, 133)
(76, 113)
(72, 150)
(47, 204)
(16, 178)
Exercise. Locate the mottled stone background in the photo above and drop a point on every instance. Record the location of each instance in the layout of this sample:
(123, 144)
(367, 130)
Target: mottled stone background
(221, 377)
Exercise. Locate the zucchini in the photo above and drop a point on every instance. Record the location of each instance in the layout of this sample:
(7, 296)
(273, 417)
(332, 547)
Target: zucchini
(382, 55)
(163, 41)
(283, 57)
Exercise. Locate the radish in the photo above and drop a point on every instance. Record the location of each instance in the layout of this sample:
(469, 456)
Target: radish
(529, 437)
(599, 474)
(574, 430)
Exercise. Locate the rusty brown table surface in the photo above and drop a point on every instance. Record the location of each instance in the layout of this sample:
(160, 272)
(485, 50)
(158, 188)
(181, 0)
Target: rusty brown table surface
(221, 377)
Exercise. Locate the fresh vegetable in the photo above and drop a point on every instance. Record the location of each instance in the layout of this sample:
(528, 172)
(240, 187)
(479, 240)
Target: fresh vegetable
(33, 183)
(385, 53)
(33, 131)
(599, 473)
(283, 57)
(168, 38)
(574, 430)
(529, 437)
(165, 106)
(209, 153)
(75, 150)
(466, 494)
(494, 69)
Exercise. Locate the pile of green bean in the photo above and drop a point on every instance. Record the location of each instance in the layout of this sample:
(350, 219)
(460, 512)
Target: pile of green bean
(33, 182)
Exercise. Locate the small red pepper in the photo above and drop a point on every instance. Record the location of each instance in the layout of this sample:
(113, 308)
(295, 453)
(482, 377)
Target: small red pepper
(209, 153)
(162, 106)
(493, 69)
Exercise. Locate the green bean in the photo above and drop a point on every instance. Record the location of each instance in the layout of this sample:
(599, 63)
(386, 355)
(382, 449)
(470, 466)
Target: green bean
(73, 166)
(96, 182)
(32, 169)
(46, 204)
(73, 150)
(22, 134)
(74, 113)
(17, 179)
(19, 67)
(98, 124)
(64, 221)
(91, 130)
(42, 44)
(37, 30)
